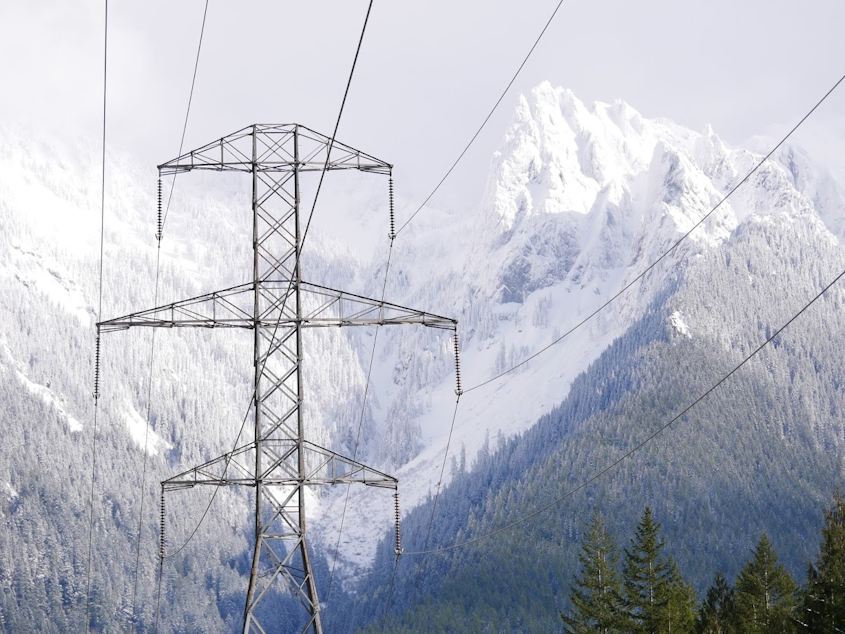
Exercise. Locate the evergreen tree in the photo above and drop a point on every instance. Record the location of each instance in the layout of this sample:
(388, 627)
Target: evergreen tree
(716, 614)
(824, 600)
(765, 594)
(596, 593)
(657, 599)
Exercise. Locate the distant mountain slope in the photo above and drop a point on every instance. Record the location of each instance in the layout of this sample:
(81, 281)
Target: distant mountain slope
(764, 452)
(581, 198)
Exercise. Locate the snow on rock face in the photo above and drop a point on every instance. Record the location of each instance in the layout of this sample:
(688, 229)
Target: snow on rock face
(11, 494)
(676, 319)
(827, 196)
(579, 190)
(141, 432)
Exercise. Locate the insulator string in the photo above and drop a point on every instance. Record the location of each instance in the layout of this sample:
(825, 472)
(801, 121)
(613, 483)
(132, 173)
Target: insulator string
(392, 234)
(162, 542)
(398, 549)
(97, 367)
(159, 225)
(459, 390)
(162, 545)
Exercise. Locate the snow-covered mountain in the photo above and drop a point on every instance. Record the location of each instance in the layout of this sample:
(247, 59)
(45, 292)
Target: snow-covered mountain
(580, 200)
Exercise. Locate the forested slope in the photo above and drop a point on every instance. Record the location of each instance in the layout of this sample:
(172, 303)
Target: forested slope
(763, 452)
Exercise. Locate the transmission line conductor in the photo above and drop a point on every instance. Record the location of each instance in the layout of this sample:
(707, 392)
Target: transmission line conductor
(279, 463)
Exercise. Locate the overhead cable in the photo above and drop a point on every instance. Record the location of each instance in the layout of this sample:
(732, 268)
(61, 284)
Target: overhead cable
(325, 168)
(162, 554)
(360, 427)
(436, 497)
(187, 115)
(99, 318)
(486, 119)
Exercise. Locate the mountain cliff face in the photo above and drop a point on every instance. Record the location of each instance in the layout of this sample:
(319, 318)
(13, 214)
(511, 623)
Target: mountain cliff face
(581, 199)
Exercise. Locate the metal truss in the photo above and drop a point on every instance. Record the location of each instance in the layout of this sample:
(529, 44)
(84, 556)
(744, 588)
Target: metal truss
(277, 305)
(232, 308)
(273, 148)
(323, 467)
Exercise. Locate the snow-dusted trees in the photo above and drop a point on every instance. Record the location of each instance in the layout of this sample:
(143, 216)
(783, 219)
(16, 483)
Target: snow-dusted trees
(657, 599)
(765, 593)
(650, 597)
(596, 592)
(716, 612)
(823, 605)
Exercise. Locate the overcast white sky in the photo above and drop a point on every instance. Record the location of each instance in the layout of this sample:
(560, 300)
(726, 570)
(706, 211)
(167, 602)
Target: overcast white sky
(428, 72)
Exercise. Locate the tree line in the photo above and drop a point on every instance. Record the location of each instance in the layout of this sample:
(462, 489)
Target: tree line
(640, 590)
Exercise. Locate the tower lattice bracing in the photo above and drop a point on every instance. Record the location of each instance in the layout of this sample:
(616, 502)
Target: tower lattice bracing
(279, 462)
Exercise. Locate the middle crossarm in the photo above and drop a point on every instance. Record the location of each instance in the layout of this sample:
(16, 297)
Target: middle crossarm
(233, 308)
(324, 467)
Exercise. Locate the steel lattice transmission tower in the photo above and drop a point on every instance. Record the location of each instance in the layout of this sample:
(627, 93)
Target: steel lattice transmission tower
(277, 305)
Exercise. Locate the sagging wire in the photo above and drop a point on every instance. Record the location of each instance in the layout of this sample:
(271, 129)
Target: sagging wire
(666, 253)
(99, 318)
(666, 426)
(458, 392)
(364, 402)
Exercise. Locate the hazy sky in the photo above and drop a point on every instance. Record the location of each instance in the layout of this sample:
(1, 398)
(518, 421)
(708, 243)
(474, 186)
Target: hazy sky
(428, 72)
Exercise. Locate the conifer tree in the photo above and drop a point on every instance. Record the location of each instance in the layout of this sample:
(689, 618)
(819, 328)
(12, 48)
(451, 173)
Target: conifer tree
(596, 592)
(765, 594)
(823, 605)
(716, 614)
(657, 600)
